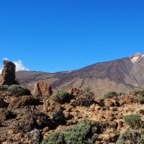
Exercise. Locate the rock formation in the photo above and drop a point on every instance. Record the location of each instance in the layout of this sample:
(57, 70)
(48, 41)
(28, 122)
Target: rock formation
(7, 76)
(41, 88)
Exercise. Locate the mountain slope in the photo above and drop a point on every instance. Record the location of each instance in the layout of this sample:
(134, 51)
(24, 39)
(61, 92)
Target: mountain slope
(118, 75)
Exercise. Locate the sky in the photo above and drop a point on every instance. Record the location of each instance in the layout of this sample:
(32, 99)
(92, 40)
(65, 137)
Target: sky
(64, 35)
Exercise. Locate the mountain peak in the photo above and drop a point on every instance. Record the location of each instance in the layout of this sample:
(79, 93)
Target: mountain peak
(136, 57)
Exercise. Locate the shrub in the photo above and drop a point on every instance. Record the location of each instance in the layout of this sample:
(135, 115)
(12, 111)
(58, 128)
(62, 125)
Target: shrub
(138, 95)
(138, 92)
(110, 95)
(62, 96)
(135, 134)
(18, 90)
(54, 138)
(140, 99)
(131, 137)
(81, 133)
(133, 121)
(3, 87)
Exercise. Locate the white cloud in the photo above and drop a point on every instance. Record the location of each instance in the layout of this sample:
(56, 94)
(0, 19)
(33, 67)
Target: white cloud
(19, 65)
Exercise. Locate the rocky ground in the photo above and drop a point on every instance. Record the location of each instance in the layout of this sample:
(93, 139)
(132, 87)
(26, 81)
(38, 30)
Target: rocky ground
(27, 119)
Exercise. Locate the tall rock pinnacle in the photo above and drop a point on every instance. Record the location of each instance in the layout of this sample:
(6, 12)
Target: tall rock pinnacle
(7, 76)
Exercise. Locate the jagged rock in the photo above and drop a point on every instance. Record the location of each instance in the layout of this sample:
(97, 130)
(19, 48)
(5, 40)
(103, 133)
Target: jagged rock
(74, 91)
(23, 101)
(50, 105)
(108, 103)
(6, 114)
(28, 120)
(41, 88)
(7, 76)
(35, 136)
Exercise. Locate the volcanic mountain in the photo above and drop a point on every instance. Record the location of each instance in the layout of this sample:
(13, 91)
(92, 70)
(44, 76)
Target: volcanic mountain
(120, 75)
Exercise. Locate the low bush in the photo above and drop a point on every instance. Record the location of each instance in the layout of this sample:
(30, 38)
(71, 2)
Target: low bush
(140, 99)
(81, 133)
(18, 90)
(134, 134)
(4, 87)
(131, 137)
(138, 95)
(110, 94)
(138, 92)
(133, 121)
(62, 96)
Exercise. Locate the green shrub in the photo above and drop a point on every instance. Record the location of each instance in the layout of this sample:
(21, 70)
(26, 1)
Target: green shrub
(4, 87)
(131, 137)
(138, 95)
(140, 99)
(110, 94)
(138, 92)
(133, 121)
(135, 134)
(18, 90)
(54, 138)
(62, 96)
(81, 133)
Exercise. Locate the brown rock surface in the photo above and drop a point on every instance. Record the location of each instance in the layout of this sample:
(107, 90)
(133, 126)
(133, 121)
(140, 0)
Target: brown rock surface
(7, 76)
(41, 88)
(22, 101)
(26, 121)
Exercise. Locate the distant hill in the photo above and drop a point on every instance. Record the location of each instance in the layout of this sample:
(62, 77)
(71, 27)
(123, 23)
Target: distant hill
(119, 75)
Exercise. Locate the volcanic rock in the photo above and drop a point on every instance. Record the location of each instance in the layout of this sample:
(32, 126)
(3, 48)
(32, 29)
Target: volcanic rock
(22, 101)
(7, 76)
(42, 88)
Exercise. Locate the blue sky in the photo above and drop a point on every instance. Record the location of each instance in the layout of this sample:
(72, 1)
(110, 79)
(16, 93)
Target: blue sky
(59, 35)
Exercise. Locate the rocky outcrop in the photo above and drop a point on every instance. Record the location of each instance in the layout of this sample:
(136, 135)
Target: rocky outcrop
(41, 88)
(22, 101)
(7, 76)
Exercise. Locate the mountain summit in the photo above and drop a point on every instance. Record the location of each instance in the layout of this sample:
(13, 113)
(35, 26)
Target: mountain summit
(137, 57)
(119, 75)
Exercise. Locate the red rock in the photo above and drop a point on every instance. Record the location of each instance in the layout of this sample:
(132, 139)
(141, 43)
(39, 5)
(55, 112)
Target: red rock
(7, 76)
(42, 88)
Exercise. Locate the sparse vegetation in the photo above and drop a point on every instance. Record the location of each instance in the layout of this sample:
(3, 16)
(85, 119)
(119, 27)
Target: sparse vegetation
(110, 94)
(140, 99)
(4, 87)
(81, 133)
(134, 121)
(131, 137)
(62, 96)
(18, 90)
(137, 92)
(135, 134)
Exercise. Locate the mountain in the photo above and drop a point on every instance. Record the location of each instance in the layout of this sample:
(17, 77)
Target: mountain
(119, 75)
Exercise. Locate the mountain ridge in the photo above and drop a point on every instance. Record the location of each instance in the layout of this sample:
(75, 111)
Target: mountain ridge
(119, 75)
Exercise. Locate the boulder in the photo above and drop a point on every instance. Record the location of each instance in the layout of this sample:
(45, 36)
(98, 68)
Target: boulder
(28, 120)
(42, 88)
(59, 117)
(22, 101)
(7, 76)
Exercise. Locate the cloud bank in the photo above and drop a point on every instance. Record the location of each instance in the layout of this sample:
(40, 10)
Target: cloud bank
(19, 65)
